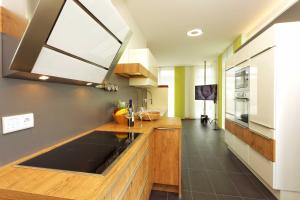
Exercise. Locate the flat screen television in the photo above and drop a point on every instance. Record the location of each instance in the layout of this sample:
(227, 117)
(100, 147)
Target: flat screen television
(206, 92)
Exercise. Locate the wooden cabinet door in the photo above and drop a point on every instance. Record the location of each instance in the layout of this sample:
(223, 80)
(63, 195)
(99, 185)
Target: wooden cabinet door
(166, 156)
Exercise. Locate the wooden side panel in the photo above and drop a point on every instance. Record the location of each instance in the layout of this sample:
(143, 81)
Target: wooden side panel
(166, 157)
(264, 146)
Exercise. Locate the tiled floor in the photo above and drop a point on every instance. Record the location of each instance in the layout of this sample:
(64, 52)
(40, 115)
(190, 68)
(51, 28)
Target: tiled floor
(210, 171)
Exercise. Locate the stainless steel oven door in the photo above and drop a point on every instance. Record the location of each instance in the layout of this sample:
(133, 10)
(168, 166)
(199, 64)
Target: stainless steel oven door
(242, 78)
(242, 110)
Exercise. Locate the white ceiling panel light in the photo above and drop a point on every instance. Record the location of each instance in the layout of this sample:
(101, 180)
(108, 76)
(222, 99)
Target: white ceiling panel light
(195, 32)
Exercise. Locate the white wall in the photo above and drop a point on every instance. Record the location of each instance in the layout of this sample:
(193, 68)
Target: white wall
(166, 77)
(160, 100)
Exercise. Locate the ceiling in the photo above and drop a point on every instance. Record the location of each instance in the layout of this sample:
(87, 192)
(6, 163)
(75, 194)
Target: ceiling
(165, 23)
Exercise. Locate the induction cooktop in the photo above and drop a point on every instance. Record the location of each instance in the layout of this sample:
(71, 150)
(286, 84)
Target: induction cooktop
(92, 153)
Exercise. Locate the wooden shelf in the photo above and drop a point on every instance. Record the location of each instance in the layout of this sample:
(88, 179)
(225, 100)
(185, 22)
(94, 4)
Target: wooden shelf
(134, 70)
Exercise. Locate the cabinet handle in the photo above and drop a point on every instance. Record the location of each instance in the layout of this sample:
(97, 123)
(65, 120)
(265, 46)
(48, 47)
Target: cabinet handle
(165, 128)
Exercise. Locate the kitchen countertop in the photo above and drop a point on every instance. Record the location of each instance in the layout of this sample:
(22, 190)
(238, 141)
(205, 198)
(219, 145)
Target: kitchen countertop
(19, 182)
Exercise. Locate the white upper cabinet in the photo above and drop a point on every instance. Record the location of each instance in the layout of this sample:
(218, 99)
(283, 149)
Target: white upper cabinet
(230, 83)
(262, 89)
(105, 11)
(76, 33)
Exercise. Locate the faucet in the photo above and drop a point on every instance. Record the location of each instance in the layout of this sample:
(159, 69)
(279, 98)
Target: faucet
(146, 99)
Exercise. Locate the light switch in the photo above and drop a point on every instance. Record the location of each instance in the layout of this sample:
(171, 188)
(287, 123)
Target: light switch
(17, 122)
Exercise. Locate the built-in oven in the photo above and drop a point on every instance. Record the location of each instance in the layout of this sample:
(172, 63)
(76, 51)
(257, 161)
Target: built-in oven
(242, 79)
(242, 96)
(242, 107)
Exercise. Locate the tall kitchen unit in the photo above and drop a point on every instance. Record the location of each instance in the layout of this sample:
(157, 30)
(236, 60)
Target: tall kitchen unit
(269, 144)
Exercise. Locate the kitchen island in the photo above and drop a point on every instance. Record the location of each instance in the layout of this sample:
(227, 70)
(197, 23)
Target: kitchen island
(152, 162)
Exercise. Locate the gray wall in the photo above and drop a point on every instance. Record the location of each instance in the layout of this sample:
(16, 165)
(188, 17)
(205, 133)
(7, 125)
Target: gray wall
(61, 111)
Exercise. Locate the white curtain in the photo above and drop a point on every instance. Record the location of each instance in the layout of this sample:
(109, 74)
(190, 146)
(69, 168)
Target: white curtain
(195, 76)
(166, 77)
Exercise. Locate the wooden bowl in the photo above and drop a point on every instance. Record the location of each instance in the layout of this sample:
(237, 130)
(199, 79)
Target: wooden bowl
(120, 119)
(150, 116)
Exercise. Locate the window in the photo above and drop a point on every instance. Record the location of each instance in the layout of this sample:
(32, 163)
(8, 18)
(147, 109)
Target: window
(166, 77)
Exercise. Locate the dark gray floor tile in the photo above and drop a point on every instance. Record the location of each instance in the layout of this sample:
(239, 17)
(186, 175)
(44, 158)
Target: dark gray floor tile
(226, 197)
(268, 195)
(212, 163)
(199, 182)
(222, 183)
(196, 163)
(230, 164)
(243, 167)
(186, 195)
(185, 180)
(173, 196)
(157, 195)
(211, 174)
(203, 196)
(246, 187)
(185, 163)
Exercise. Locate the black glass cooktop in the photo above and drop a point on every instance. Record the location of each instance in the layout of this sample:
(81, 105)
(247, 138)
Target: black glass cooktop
(92, 153)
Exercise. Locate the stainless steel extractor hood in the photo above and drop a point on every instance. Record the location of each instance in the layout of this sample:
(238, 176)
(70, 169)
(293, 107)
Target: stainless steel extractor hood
(70, 41)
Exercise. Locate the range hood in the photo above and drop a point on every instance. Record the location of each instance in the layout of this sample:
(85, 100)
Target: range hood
(71, 41)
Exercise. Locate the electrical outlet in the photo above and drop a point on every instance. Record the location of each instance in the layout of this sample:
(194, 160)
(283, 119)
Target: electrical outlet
(17, 122)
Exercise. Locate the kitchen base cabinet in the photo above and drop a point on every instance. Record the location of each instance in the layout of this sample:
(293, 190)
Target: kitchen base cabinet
(256, 151)
(167, 160)
(130, 176)
(134, 182)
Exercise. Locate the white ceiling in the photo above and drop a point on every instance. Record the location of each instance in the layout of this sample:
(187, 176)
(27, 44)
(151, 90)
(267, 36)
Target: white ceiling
(165, 23)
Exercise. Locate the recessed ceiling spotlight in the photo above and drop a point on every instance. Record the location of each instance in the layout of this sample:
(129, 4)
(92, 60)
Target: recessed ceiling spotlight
(89, 84)
(195, 32)
(43, 78)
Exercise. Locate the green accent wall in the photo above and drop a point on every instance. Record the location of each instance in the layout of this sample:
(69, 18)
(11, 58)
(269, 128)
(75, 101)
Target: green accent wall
(220, 90)
(237, 43)
(179, 97)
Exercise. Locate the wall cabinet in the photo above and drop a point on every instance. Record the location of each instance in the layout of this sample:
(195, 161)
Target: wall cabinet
(230, 80)
(262, 89)
(167, 158)
(274, 107)
(140, 66)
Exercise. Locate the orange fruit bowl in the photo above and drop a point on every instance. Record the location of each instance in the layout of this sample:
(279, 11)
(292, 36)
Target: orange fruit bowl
(120, 119)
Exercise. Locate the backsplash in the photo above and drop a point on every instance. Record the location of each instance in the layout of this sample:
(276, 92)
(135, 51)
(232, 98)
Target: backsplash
(60, 111)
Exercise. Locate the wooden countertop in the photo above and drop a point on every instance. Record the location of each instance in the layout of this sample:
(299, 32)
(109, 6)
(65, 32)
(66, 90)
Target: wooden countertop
(18, 182)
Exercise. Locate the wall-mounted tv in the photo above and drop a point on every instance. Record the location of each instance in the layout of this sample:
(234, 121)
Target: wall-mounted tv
(206, 92)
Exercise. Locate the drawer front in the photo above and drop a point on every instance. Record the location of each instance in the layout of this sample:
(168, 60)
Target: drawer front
(120, 185)
(262, 166)
(263, 145)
